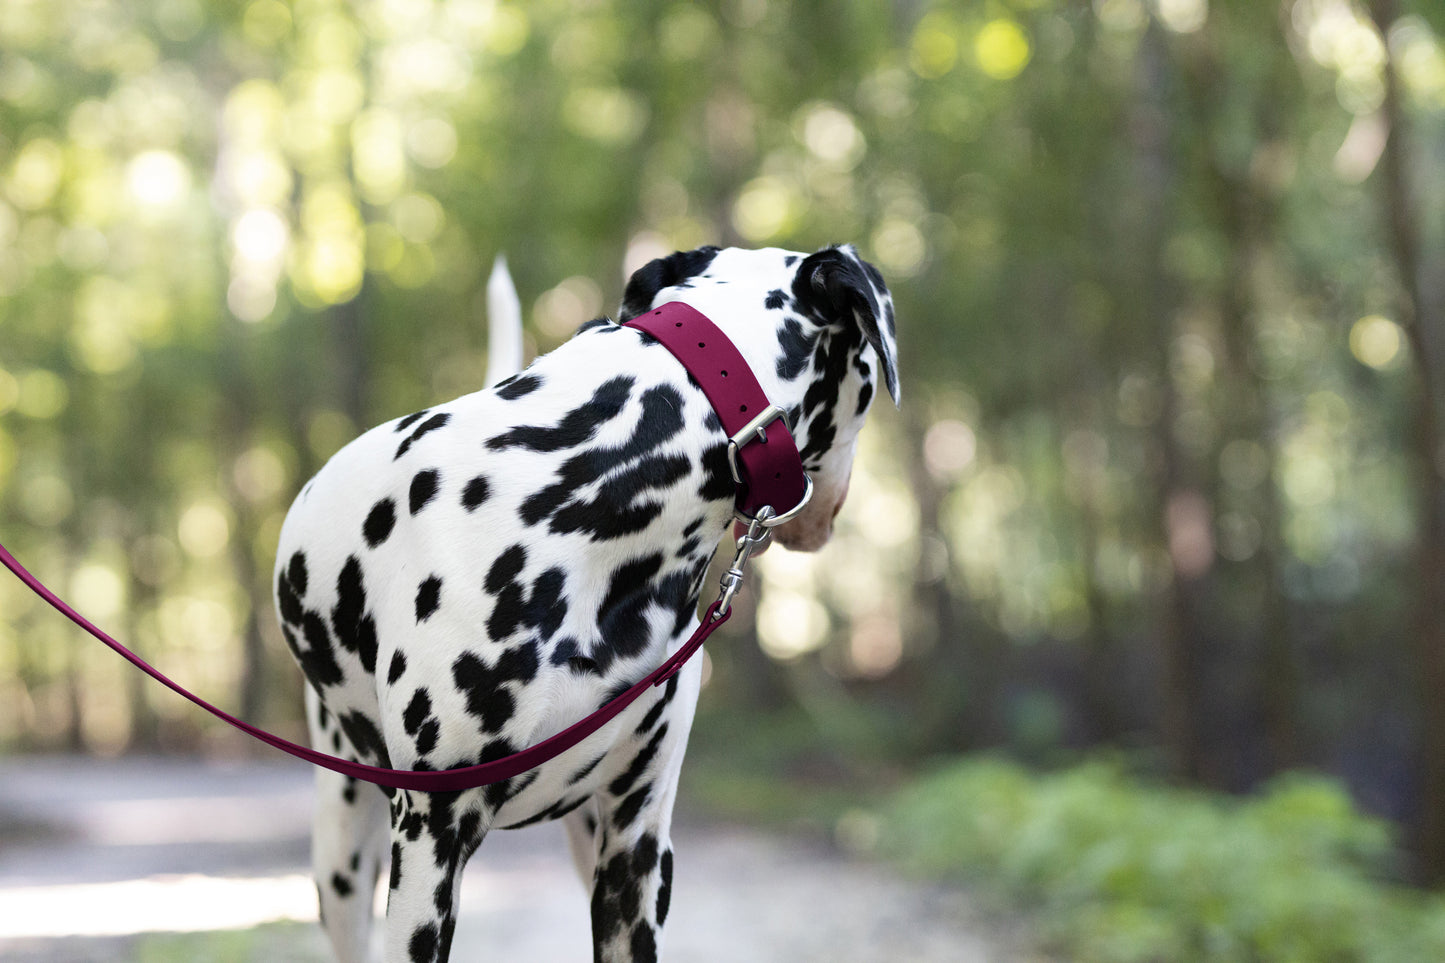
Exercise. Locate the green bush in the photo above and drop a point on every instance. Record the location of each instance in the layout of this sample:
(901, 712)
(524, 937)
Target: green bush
(1120, 870)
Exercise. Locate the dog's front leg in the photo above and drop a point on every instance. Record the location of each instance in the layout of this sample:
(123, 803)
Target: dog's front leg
(632, 883)
(430, 846)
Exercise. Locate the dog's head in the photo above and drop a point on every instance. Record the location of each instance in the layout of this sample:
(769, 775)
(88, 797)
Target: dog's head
(818, 332)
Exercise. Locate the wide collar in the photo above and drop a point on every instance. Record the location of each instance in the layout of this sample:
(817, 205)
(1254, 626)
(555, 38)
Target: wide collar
(762, 454)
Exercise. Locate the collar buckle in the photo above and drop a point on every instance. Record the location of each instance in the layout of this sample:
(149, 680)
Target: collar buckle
(757, 428)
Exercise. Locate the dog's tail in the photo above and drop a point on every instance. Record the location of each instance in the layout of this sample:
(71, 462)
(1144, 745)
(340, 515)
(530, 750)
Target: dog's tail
(504, 324)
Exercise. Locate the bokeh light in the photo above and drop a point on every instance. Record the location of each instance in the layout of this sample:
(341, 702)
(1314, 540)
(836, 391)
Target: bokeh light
(1376, 341)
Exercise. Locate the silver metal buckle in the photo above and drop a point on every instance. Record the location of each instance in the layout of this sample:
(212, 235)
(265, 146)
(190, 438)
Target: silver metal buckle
(757, 428)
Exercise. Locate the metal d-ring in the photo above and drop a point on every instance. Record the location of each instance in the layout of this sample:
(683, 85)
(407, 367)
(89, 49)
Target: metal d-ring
(773, 519)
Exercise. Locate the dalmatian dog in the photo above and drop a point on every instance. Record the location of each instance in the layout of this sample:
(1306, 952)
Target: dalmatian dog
(460, 583)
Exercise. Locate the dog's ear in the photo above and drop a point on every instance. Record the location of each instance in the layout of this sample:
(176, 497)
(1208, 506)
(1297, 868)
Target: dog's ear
(665, 272)
(837, 286)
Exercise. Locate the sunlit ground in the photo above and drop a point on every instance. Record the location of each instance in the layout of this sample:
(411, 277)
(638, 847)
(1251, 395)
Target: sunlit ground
(152, 861)
(173, 904)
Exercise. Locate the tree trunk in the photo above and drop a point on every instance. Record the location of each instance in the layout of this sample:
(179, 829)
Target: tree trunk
(957, 672)
(1422, 319)
(1179, 503)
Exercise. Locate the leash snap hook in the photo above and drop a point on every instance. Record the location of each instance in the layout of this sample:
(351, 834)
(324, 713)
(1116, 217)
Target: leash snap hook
(732, 580)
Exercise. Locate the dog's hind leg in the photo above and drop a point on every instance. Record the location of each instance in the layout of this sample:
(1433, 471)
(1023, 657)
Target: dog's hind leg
(348, 846)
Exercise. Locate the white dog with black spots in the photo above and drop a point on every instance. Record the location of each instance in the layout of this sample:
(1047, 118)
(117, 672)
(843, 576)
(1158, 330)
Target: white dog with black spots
(465, 581)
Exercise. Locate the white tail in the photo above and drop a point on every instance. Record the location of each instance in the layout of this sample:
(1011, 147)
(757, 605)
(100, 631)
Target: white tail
(504, 324)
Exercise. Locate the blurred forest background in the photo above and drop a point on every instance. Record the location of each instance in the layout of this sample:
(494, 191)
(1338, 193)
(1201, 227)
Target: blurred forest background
(1170, 274)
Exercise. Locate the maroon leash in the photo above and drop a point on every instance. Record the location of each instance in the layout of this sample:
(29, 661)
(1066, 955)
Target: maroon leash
(765, 464)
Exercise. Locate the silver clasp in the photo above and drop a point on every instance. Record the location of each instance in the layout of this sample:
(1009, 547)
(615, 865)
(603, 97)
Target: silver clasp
(732, 580)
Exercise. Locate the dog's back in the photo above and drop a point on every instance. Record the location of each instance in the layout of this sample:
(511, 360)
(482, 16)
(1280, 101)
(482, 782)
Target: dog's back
(444, 561)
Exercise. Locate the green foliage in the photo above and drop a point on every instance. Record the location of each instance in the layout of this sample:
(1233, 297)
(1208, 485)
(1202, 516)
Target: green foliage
(1120, 870)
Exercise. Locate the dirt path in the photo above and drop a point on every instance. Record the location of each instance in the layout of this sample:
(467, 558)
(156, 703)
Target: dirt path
(96, 858)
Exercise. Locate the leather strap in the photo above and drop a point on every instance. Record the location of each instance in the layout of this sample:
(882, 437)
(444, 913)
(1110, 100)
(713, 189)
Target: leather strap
(443, 780)
(772, 472)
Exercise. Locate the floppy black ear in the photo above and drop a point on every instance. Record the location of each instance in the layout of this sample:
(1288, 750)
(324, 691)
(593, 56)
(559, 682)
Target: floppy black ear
(837, 286)
(665, 272)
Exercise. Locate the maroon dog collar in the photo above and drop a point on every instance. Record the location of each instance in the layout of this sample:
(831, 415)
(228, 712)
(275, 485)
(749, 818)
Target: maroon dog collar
(762, 454)
(765, 463)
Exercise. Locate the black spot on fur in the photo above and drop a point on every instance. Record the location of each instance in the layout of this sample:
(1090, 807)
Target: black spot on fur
(563, 651)
(775, 299)
(547, 607)
(379, 522)
(640, 762)
(631, 807)
(398, 666)
(484, 686)
(475, 493)
(288, 599)
(499, 793)
(355, 630)
(664, 892)
(644, 855)
(426, 736)
(555, 811)
(621, 617)
(423, 489)
(318, 659)
(411, 419)
(613, 513)
(431, 424)
(341, 885)
(644, 943)
(821, 399)
(518, 386)
(717, 478)
(797, 348)
(506, 568)
(296, 572)
(864, 397)
(630, 469)
(365, 737)
(416, 711)
(576, 427)
(428, 596)
(655, 713)
(423, 943)
(586, 770)
(614, 891)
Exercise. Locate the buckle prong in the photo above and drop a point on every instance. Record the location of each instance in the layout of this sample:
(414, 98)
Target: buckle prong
(757, 428)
